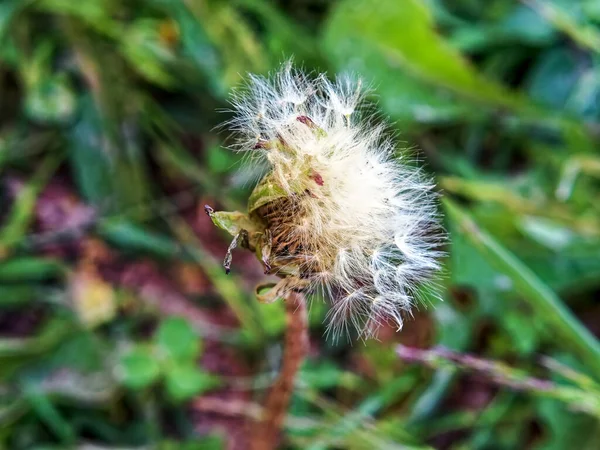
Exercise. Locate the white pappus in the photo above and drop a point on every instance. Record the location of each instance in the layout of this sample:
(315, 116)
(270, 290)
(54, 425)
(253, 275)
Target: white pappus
(341, 211)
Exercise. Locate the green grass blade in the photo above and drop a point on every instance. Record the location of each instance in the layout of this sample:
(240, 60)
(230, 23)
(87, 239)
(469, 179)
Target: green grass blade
(22, 211)
(526, 283)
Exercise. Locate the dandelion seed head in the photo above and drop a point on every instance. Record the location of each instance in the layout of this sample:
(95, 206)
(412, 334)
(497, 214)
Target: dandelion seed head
(354, 220)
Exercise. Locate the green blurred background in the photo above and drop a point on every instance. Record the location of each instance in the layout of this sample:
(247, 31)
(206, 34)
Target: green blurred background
(118, 326)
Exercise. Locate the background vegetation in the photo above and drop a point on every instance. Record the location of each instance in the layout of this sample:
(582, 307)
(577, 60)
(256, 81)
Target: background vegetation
(119, 329)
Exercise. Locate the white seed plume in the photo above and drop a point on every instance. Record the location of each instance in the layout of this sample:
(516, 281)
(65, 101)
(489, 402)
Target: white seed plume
(363, 222)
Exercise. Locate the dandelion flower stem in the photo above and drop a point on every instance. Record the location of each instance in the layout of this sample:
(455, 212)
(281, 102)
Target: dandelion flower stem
(294, 352)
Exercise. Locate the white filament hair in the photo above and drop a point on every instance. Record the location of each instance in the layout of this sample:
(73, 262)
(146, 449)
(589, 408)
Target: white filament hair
(373, 217)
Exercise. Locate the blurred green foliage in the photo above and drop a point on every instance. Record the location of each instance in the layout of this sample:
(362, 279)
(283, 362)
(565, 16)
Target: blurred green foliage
(114, 311)
(173, 355)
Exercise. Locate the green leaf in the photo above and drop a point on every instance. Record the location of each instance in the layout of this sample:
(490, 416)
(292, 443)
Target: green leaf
(403, 33)
(283, 34)
(210, 442)
(92, 12)
(51, 99)
(53, 333)
(585, 36)
(22, 212)
(238, 47)
(186, 381)
(565, 429)
(553, 77)
(89, 163)
(30, 268)
(50, 415)
(19, 295)
(18, 352)
(81, 352)
(321, 375)
(8, 11)
(524, 24)
(135, 238)
(142, 47)
(198, 47)
(138, 368)
(178, 340)
(403, 95)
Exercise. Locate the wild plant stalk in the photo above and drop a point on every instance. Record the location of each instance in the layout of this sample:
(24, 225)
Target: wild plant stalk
(295, 349)
(584, 397)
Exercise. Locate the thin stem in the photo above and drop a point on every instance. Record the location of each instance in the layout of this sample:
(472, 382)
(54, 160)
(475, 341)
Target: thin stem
(580, 399)
(294, 352)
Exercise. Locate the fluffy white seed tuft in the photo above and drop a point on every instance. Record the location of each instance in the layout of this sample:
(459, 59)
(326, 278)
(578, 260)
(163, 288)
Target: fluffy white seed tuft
(363, 224)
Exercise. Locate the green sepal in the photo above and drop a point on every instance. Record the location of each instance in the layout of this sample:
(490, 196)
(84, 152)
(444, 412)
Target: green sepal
(265, 192)
(233, 222)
